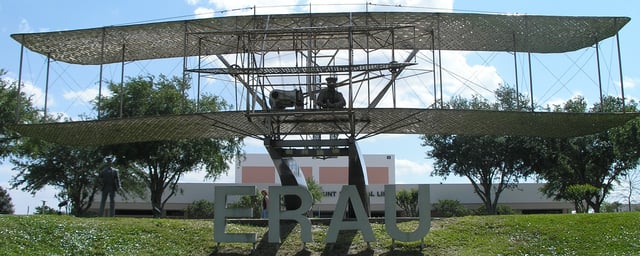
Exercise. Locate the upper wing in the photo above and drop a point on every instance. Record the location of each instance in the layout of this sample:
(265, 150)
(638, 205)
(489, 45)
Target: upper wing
(411, 30)
(362, 122)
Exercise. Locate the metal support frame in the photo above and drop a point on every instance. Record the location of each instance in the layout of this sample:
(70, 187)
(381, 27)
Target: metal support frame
(599, 76)
(102, 44)
(515, 68)
(620, 72)
(18, 97)
(252, 73)
(530, 82)
(122, 80)
(46, 87)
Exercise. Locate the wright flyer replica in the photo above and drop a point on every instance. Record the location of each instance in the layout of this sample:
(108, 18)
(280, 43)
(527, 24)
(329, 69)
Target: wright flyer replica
(343, 53)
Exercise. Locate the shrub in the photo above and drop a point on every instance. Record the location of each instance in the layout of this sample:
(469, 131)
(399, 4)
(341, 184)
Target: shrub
(500, 210)
(610, 207)
(6, 206)
(580, 194)
(250, 201)
(200, 209)
(450, 208)
(407, 200)
(45, 210)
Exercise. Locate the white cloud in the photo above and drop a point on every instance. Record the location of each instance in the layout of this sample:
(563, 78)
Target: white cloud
(293, 6)
(558, 101)
(463, 79)
(84, 95)
(406, 167)
(192, 2)
(202, 13)
(629, 82)
(33, 92)
(199, 176)
(24, 26)
(233, 8)
(251, 142)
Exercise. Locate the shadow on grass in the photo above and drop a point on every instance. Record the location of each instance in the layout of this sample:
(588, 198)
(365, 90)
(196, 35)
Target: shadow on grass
(403, 252)
(263, 247)
(341, 247)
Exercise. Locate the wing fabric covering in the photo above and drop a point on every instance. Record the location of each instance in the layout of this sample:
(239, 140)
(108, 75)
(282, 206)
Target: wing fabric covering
(366, 122)
(412, 30)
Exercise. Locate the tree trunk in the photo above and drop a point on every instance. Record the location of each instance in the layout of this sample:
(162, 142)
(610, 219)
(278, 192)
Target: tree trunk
(156, 188)
(156, 204)
(488, 204)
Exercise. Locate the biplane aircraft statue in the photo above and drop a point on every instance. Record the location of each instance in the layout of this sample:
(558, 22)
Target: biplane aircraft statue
(330, 47)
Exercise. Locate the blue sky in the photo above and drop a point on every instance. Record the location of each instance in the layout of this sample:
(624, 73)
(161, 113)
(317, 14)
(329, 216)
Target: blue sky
(71, 87)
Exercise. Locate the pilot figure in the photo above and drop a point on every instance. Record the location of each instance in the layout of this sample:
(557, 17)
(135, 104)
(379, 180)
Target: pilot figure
(329, 97)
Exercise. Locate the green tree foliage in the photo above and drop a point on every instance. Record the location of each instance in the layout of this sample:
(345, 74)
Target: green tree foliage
(629, 188)
(6, 206)
(200, 209)
(45, 210)
(72, 170)
(407, 200)
(580, 194)
(165, 162)
(500, 210)
(315, 189)
(450, 208)
(611, 207)
(599, 160)
(491, 163)
(8, 106)
(250, 201)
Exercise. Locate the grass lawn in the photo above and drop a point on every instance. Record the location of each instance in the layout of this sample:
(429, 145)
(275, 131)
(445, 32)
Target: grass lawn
(559, 234)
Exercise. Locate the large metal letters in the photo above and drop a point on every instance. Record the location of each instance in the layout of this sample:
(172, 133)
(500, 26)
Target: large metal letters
(348, 193)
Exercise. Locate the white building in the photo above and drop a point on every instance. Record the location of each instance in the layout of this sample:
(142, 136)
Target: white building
(331, 175)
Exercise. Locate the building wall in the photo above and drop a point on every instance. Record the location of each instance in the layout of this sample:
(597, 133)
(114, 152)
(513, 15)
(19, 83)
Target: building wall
(331, 174)
(526, 198)
(259, 169)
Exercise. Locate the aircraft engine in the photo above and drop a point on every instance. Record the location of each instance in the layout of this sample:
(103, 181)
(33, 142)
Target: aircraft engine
(281, 99)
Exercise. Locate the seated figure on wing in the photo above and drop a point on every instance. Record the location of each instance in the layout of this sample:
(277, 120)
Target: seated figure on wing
(330, 98)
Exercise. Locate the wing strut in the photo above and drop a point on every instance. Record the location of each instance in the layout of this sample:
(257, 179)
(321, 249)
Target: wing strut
(243, 82)
(394, 75)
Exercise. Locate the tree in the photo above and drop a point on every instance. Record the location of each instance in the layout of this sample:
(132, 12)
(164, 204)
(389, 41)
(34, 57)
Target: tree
(6, 206)
(200, 209)
(450, 208)
(580, 194)
(599, 160)
(45, 209)
(72, 170)
(407, 200)
(250, 201)
(491, 163)
(315, 190)
(164, 162)
(10, 114)
(611, 207)
(630, 187)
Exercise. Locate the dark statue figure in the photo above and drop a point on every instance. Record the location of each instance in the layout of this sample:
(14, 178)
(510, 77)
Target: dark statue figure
(110, 185)
(329, 97)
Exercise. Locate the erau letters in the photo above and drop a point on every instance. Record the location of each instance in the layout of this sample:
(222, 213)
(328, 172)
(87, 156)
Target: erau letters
(347, 194)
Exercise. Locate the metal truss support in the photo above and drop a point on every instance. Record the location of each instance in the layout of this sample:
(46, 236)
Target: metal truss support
(358, 176)
(289, 173)
(394, 76)
(250, 90)
(283, 151)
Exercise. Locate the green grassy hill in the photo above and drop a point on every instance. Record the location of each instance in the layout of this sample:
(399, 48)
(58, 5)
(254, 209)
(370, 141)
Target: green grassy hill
(578, 234)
